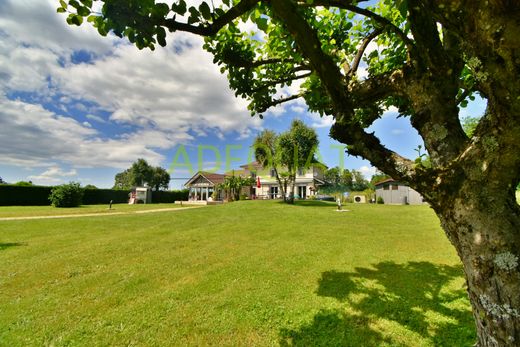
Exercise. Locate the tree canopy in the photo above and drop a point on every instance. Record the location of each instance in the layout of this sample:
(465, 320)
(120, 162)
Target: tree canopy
(141, 173)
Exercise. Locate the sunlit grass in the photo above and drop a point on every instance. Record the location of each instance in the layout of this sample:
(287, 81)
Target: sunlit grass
(242, 274)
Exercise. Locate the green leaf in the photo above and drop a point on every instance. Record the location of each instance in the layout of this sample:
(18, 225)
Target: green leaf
(262, 24)
(160, 10)
(194, 15)
(74, 19)
(61, 10)
(83, 11)
(180, 7)
(161, 36)
(205, 11)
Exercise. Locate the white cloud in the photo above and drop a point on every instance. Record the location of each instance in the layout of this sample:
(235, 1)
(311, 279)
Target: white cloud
(367, 171)
(321, 122)
(163, 96)
(397, 132)
(390, 111)
(96, 118)
(37, 137)
(53, 175)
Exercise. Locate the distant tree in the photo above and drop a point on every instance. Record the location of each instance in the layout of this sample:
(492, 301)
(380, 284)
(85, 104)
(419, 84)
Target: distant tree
(141, 173)
(2, 181)
(123, 180)
(333, 176)
(160, 178)
(90, 186)
(297, 147)
(345, 178)
(378, 177)
(337, 180)
(267, 154)
(24, 183)
(359, 181)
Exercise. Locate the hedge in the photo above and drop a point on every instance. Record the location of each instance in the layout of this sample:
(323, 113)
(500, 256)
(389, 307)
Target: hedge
(13, 195)
(103, 196)
(169, 196)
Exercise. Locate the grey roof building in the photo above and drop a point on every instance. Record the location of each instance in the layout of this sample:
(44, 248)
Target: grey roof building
(395, 192)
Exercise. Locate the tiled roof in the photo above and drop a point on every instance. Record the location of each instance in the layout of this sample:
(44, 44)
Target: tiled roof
(388, 180)
(213, 177)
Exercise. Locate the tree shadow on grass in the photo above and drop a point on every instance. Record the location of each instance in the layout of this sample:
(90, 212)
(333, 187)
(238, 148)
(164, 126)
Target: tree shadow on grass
(5, 245)
(416, 296)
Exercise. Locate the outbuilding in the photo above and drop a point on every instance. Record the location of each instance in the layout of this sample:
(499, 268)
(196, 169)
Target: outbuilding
(395, 192)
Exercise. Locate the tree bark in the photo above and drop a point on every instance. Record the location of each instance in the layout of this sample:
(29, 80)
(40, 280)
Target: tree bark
(484, 229)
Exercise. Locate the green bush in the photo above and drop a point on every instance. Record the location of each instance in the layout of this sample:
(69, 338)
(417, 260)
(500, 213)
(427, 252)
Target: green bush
(67, 195)
(380, 200)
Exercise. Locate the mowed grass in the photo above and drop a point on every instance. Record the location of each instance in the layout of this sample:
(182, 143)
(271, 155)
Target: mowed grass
(253, 273)
(31, 211)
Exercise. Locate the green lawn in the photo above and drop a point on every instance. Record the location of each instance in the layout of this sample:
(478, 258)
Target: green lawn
(31, 211)
(253, 273)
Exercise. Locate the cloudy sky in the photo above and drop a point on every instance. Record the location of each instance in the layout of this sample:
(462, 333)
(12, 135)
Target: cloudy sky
(76, 106)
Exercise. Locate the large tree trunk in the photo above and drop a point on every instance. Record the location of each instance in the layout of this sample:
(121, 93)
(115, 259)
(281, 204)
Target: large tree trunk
(483, 223)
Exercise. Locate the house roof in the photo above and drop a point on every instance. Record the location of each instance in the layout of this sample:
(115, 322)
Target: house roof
(214, 178)
(387, 180)
(253, 164)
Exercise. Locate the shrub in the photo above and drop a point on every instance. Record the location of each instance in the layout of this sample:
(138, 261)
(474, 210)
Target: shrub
(66, 195)
(380, 200)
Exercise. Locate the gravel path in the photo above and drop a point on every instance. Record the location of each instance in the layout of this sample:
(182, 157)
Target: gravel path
(98, 214)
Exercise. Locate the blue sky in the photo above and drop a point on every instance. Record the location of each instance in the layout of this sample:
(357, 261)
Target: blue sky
(80, 107)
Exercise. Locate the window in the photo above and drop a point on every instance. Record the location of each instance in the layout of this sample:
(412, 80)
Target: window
(301, 172)
(273, 173)
(386, 187)
(395, 187)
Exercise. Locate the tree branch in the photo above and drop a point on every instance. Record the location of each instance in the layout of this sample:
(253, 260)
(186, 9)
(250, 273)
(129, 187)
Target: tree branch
(280, 81)
(211, 29)
(278, 102)
(361, 50)
(348, 5)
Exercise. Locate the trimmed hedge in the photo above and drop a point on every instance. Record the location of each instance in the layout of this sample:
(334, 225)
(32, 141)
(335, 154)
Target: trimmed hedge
(169, 196)
(103, 196)
(13, 195)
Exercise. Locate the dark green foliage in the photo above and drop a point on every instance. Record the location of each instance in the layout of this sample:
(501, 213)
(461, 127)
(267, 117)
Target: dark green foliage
(23, 184)
(15, 195)
(140, 173)
(103, 196)
(67, 195)
(169, 196)
(380, 200)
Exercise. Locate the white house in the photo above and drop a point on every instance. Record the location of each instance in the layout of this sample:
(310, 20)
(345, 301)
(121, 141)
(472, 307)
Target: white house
(202, 184)
(267, 187)
(395, 192)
